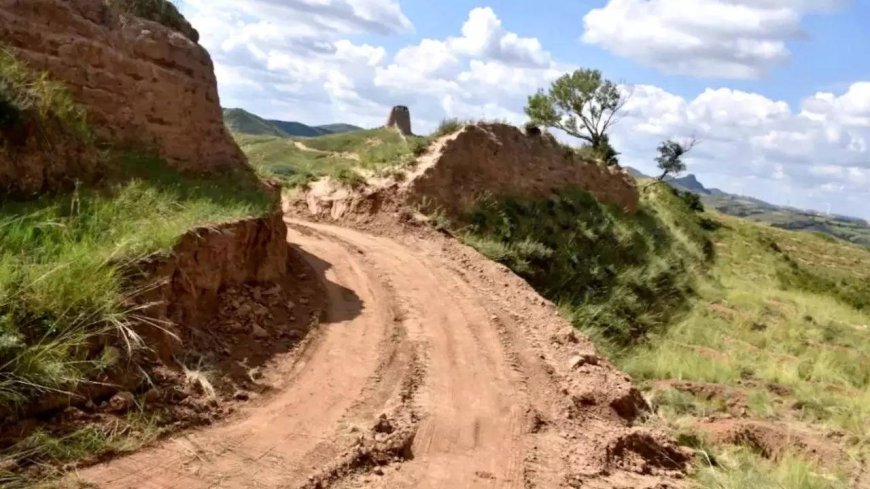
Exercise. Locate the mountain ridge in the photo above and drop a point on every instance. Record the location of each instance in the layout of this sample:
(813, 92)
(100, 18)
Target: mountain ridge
(847, 228)
(241, 121)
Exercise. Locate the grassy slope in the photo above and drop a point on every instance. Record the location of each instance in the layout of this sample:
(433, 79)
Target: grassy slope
(62, 257)
(241, 121)
(62, 261)
(761, 306)
(342, 156)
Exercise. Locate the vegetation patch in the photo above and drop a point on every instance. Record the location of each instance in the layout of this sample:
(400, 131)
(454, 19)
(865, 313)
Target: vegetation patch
(163, 12)
(34, 109)
(339, 156)
(63, 261)
(620, 277)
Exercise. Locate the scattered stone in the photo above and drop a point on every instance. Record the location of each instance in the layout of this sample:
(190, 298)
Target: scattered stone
(378, 471)
(565, 336)
(383, 425)
(580, 360)
(259, 332)
(242, 395)
(122, 402)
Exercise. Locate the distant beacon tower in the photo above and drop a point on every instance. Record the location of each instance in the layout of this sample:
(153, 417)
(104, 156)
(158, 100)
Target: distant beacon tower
(400, 118)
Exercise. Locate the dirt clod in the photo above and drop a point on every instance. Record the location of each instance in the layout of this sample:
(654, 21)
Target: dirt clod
(121, 402)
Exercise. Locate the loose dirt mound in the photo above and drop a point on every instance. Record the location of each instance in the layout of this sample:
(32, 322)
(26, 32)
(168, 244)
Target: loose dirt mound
(499, 159)
(439, 369)
(772, 439)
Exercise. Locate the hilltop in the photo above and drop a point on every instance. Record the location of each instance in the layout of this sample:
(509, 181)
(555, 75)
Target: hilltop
(243, 122)
(851, 229)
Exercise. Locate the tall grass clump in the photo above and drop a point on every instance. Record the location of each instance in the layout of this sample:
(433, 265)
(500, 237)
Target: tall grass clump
(618, 276)
(34, 107)
(63, 260)
(449, 126)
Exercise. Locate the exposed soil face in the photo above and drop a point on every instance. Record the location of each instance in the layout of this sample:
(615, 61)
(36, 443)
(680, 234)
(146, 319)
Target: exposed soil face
(773, 439)
(500, 159)
(459, 169)
(432, 367)
(140, 82)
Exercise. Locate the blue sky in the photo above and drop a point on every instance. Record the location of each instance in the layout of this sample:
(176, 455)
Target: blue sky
(778, 91)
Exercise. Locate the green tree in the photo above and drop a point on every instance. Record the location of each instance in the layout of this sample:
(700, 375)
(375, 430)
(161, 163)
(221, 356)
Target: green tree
(670, 158)
(583, 104)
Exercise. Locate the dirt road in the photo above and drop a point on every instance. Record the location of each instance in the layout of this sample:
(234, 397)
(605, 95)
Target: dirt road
(434, 368)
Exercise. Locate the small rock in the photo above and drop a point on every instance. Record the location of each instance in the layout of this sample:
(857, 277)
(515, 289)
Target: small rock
(378, 471)
(580, 360)
(575, 362)
(242, 395)
(304, 300)
(568, 335)
(153, 395)
(121, 402)
(383, 425)
(259, 332)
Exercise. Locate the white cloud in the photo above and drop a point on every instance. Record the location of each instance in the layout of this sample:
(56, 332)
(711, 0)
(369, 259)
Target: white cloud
(281, 66)
(753, 144)
(705, 38)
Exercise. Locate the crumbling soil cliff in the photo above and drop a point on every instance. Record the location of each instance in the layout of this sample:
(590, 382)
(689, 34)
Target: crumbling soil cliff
(141, 83)
(499, 159)
(461, 168)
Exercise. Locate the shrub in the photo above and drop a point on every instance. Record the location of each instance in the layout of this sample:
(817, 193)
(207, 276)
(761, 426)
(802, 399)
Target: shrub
(448, 126)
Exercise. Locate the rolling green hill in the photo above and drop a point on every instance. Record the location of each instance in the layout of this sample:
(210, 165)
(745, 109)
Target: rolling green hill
(243, 122)
(847, 228)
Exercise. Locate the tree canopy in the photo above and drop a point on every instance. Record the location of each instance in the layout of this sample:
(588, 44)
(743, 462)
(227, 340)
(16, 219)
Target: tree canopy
(670, 158)
(583, 104)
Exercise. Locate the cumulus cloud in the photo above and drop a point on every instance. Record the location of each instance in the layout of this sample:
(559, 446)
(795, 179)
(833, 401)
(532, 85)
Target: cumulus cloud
(809, 155)
(706, 38)
(274, 62)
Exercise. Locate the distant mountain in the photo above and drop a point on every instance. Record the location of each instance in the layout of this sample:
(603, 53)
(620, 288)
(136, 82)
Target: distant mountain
(338, 128)
(290, 128)
(847, 228)
(242, 121)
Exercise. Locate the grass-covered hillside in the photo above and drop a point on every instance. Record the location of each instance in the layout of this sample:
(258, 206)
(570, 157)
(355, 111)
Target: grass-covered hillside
(348, 157)
(240, 121)
(849, 229)
(751, 342)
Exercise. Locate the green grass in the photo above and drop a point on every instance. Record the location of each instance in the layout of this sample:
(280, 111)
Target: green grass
(673, 294)
(344, 156)
(163, 12)
(740, 468)
(63, 261)
(449, 126)
(49, 451)
(42, 108)
(617, 276)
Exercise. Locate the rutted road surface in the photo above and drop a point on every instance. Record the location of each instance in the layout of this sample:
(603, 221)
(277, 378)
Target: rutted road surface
(457, 354)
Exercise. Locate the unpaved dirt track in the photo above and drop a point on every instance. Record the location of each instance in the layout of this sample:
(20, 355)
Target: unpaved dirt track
(412, 330)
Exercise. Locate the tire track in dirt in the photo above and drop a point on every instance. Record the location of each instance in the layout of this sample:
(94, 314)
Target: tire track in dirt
(454, 351)
(292, 434)
(472, 399)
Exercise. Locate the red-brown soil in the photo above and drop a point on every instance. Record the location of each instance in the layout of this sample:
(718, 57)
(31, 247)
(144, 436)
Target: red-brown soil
(432, 367)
